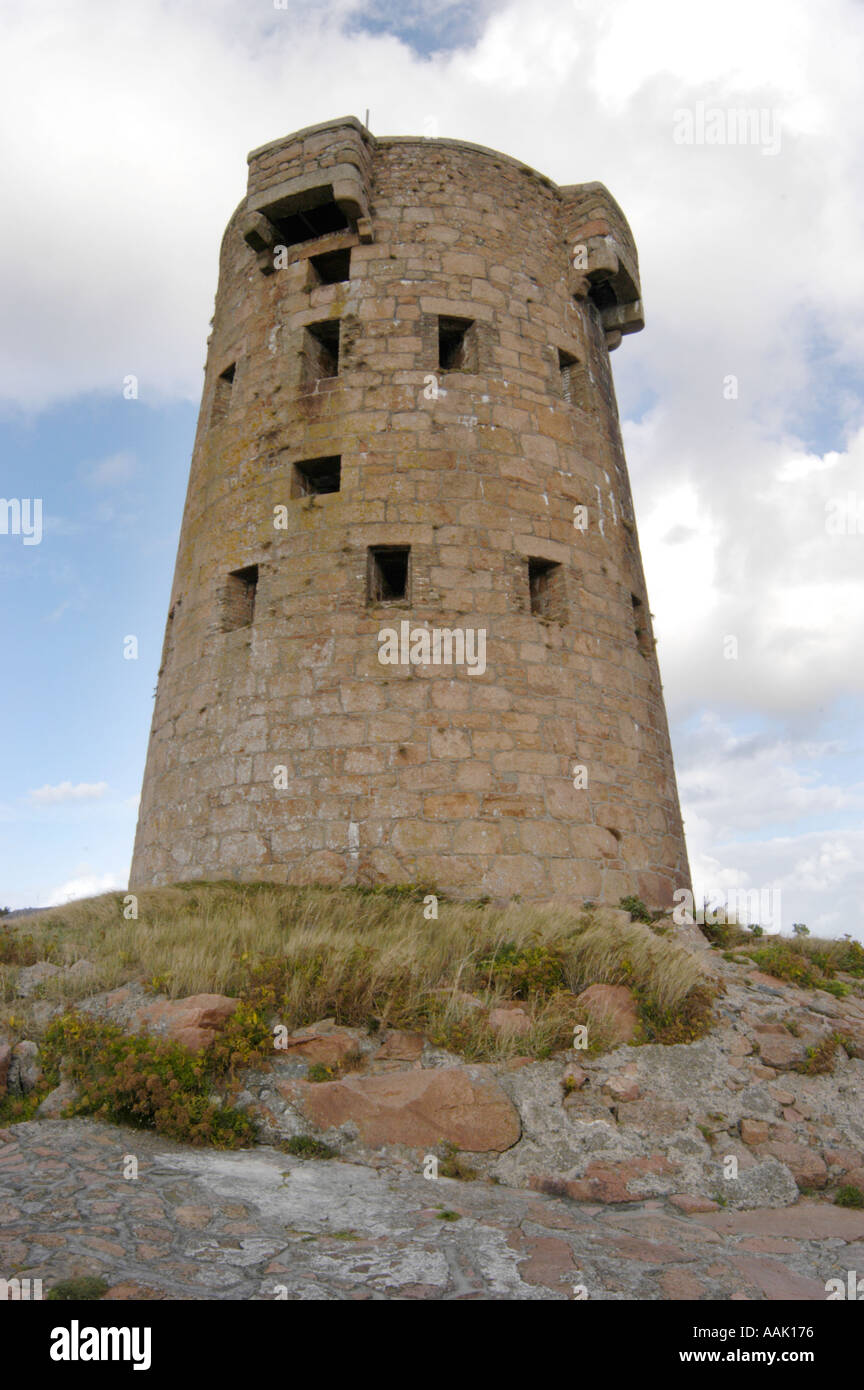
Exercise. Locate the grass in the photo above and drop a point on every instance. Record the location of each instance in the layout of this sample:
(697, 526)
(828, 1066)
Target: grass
(304, 1146)
(810, 962)
(367, 958)
(849, 1196)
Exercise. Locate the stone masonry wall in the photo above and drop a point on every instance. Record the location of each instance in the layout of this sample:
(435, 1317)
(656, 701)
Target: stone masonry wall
(414, 772)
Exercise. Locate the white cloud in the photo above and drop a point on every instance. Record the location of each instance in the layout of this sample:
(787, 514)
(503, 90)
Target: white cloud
(85, 886)
(66, 791)
(750, 803)
(820, 876)
(740, 547)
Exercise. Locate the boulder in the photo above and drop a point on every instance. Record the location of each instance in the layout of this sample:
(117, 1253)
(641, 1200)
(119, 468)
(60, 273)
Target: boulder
(399, 1046)
(783, 1097)
(780, 1050)
(614, 1007)
(691, 1204)
(57, 1101)
(32, 976)
(805, 1164)
(193, 1022)
(851, 1032)
(457, 1105)
(5, 1063)
(509, 1023)
(758, 977)
(610, 1181)
(574, 1078)
(621, 1088)
(25, 1072)
(755, 1131)
(330, 1049)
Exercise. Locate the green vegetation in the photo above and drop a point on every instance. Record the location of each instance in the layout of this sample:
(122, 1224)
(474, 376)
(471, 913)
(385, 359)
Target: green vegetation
(820, 1058)
(451, 1164)
(810, 962)
(849, 1196)
(86, 1289)
(304, 1146)
(319, 1072)
(148, 1082)
(366, 957)
(638, 911)
(690, 1020)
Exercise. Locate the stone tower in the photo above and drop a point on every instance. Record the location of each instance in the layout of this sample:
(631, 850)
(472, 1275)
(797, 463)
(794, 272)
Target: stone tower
(409, 449)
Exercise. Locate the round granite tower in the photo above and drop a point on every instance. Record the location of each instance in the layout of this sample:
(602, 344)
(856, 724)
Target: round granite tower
(409, 638)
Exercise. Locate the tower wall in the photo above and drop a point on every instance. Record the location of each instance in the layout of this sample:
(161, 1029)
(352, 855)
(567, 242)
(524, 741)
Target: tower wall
(417, 772)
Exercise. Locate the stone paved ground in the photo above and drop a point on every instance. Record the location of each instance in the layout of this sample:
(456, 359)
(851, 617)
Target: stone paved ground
(197, 1224)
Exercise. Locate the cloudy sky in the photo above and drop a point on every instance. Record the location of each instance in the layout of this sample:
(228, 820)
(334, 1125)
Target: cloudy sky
(123, 134)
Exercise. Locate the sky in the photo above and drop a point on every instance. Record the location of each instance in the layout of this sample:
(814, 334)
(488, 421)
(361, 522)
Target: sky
(123, 139)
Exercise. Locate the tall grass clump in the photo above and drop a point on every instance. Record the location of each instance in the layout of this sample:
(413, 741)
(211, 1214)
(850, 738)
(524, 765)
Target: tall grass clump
(368, 958)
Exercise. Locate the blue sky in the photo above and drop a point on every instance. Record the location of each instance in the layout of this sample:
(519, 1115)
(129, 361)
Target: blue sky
(111, 474)
(751, 267)
(424, 28)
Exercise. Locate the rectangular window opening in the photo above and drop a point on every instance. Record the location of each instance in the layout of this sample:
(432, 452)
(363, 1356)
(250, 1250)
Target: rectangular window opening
(388, 573)
(238, 598)
(222, 394)
(311, 223)
(314, 476)
(455, 340)
(546, 590)
(333, 267)
(321, 350)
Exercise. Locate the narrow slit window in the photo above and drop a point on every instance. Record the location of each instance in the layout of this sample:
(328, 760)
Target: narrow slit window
(575, 380)
(640, 626)
(321, 351)
(546, 589)
(238, 598)
(222, 394)
(567, 367)
(314, 476)
(388, 573)
(333, 267)
(455, 342)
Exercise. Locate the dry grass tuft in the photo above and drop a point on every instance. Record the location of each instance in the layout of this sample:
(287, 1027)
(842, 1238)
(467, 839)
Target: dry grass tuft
(366, 957)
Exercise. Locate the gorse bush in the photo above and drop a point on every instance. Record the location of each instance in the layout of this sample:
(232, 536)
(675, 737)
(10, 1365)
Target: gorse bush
(638, 910)
(143, 1081)
(810, 962)
(784, 962)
